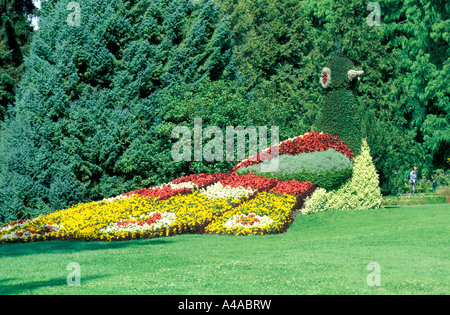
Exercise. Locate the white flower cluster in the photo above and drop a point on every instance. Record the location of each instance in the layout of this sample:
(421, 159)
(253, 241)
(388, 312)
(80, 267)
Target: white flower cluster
(13, 235)
(261, 221)
(53, 228)
(189, 185)
(168, 218)
(10, 226)
(116, 198)
(25, 234)
(218, 191)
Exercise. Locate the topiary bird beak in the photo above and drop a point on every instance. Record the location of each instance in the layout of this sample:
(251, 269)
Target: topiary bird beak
(352, 74)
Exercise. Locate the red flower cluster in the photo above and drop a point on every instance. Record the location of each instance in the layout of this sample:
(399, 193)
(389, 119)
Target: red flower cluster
(249, 220)
(163, 193)
(325, 77)
(201, 179)
(310, 142)
(15, 223)
(293, 187)
(152, 220)
(250, 180)
(20, 234)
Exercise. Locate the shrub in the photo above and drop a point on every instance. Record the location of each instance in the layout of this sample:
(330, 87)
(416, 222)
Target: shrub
(363, 190)
(316, 202)
(327, 169)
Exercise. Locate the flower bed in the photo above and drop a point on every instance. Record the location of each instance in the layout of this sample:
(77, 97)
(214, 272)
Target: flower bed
(249, 181)
(251, 220)
(307, 143)
(148, 225)
(218, 191)
(14, 224)
(273, 211)
(292, 187)
(27, 230)
(162, 193)
(249, 204)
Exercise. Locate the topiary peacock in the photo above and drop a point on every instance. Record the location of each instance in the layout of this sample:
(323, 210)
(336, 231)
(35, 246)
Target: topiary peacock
(340, 112)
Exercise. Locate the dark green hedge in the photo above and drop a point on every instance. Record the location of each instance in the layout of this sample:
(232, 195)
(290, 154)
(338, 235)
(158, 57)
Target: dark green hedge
(414, 200)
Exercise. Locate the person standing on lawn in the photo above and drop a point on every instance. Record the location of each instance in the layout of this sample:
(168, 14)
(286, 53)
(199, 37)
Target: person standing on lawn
(413, 179)
(434, 186)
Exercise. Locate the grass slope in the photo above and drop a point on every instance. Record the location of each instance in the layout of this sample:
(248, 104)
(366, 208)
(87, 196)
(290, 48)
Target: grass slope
(325, 253)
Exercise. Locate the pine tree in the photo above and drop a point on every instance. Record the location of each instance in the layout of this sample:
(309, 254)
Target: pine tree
(84, 123)
(15, 36)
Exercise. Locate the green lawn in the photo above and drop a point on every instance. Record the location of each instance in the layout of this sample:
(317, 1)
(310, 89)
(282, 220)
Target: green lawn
(325, 253)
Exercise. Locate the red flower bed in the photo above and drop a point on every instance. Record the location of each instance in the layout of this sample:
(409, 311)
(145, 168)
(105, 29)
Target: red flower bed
(163, 193)
(250, 180)
(293, 187)
(20, 234)
(15, 223)
(310, 142)
(152, 220)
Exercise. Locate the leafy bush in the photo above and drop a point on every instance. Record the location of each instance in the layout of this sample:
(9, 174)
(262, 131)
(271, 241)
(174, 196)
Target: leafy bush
(327, 169)
(363, 190)
(316, 202)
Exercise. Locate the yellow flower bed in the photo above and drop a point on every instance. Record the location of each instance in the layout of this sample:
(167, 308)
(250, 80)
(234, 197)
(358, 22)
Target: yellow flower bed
(85, 221)
(273, 209)
(195, 211)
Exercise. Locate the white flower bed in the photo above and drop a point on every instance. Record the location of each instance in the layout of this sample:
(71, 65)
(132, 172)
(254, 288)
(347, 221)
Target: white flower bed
(138, 225)
(12, 225)
(116, 198)
(256, 221)
(218, 191)
(25, 234)
(189, 185)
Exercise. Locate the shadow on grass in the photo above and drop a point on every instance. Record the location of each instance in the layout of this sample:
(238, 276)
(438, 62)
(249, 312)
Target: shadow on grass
(11, 286)
(60, 247)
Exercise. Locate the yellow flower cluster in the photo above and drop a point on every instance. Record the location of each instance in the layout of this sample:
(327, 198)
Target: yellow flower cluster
(276, 207)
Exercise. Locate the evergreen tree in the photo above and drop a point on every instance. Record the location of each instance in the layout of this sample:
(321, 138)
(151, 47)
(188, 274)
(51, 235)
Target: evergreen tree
(84, 123)
(15, 36)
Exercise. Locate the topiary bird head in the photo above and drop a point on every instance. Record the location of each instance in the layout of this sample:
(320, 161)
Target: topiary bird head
(340, 73)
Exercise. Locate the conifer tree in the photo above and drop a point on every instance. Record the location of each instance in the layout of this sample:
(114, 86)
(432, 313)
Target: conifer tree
(83, 127)
(15, 36)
